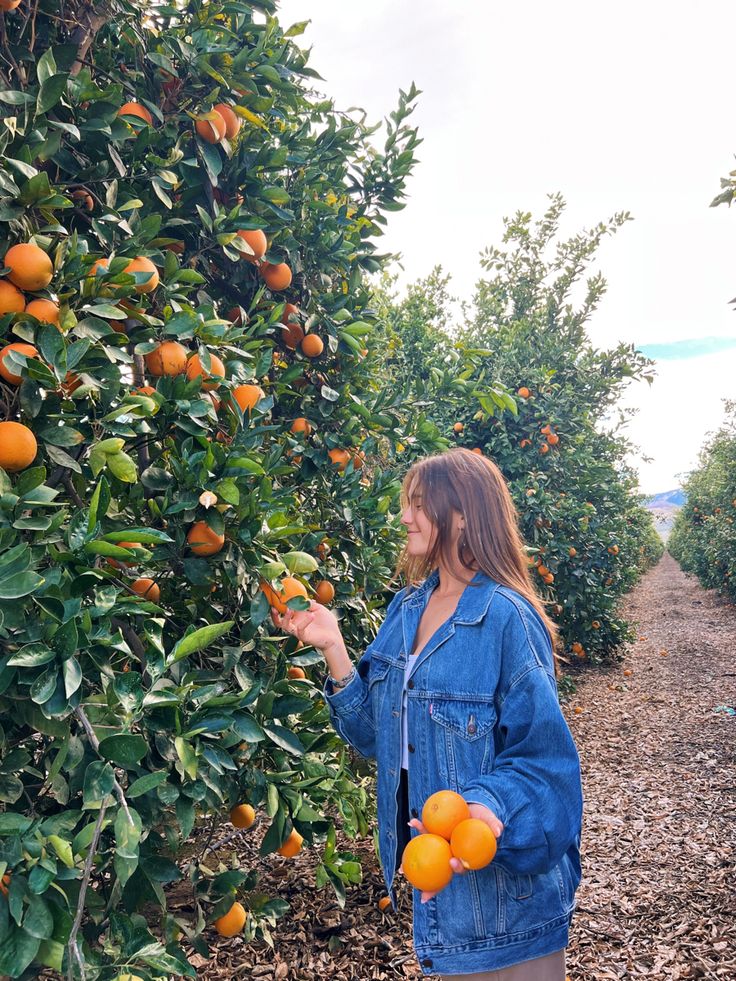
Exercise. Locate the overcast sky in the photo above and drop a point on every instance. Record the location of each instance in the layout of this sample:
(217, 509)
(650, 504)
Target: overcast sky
(625, 107)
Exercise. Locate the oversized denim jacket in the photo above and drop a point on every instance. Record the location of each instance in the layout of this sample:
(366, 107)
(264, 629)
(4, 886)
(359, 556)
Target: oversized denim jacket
(484, 720)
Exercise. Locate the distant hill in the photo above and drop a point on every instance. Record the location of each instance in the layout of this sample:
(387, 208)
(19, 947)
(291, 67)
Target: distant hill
(664, 508)
(674, 498)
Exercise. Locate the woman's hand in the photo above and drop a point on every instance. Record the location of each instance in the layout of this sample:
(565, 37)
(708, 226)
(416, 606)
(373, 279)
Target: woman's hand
(316, 627)
(476, 811)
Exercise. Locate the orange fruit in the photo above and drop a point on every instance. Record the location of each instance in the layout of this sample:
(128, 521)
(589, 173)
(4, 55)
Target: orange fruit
(290, 588)
(9, 4)
(339, 458)
(145, 390)
(169, 358)
(324, 592)
(84, 198)
(211, 127)
(478, 450)
(203, 540)
(384, 903)
(296, 673)
(146, 588)
(458, 427)
(426, 862)
(44, 310)
(546, 430)
(292, 845)
(614, 549)
(256, 239)
(11, 298)
(301, 425)
(232, 122)
(5, 881)
(525, 442)
(242, 816)
(18, 446)
(232, 922)
(195, 369)
(442, 811)
(553, 439)
(293, 331)
(577, 648)
(474, 843)
(30, 267)
(277, 276)
(248, 396)
(572, 552)
(143, 265)
(628, 673)
(136, 109)
(523, 393)
(312, 346)
(6, 371)
(119, 563)
(578, 710)
(596, 625)
(544, 448)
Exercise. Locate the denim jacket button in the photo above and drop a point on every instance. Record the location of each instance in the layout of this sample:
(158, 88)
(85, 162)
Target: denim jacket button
(410, 748)
(414, 812)
(427, 962)
(410, 684)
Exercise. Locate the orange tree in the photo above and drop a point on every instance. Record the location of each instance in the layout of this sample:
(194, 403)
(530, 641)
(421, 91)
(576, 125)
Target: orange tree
(703, 537)
(521, 381)
(188, 412)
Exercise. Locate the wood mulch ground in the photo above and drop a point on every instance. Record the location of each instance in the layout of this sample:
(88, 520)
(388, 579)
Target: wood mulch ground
(658, 896)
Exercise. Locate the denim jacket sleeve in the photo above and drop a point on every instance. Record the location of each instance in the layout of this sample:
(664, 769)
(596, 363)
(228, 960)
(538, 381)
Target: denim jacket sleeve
(534, 787)
(350, 709)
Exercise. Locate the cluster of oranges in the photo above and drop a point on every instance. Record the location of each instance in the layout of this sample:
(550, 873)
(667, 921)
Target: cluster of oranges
(450, 832)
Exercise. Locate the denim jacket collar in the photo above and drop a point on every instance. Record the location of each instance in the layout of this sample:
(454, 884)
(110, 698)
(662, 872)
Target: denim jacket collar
(473, 603)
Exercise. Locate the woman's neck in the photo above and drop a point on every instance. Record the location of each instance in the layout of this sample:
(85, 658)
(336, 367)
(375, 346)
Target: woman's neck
(450, 584)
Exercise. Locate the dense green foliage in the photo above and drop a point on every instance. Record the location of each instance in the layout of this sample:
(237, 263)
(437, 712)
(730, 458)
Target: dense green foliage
(703, 538)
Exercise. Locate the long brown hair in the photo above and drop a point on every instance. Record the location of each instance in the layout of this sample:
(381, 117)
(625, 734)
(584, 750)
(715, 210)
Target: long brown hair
(465, 482)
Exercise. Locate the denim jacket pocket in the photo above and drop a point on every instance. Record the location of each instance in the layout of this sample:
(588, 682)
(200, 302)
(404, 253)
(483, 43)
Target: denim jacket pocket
(463, 738)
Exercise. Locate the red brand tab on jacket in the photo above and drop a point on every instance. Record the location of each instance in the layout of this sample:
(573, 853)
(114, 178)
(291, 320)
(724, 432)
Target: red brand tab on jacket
(430, 708)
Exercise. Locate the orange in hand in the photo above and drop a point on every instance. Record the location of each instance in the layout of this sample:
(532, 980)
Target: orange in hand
(473, 843)
(443, 811)
(426, 862)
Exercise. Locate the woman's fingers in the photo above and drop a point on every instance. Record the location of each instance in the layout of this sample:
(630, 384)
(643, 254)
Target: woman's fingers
(457, 866)
(416, 823)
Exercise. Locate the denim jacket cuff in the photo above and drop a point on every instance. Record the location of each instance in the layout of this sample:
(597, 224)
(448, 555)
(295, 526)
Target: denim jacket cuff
(342, 699)
(479, 795)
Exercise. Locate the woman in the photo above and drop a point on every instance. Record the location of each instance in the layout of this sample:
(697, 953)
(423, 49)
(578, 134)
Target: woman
(458, 692)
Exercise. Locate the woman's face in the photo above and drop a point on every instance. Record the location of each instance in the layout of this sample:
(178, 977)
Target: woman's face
(420, 532)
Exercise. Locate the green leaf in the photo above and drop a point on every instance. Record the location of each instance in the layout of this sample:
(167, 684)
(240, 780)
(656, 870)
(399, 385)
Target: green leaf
(38, 920)
(99, 780)
(20, 585)
(46, 65)
(187, 756)
(127, 838)
(300, 562)
(31, 656)
(123, 467)
(72, 676)
(123, 749)
(148, 782)
(51, 954)
(11, 788)
(142, 536)
(50, 92)
(285, 739)
(17, 950)
(198, 640)
(63, 850)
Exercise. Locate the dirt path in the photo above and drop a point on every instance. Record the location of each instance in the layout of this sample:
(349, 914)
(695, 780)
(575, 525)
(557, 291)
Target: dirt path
(658, 897)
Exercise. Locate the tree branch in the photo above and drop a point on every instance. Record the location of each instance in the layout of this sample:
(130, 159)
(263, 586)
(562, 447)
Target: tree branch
(90, 22)
(74, 952)
(95, 743)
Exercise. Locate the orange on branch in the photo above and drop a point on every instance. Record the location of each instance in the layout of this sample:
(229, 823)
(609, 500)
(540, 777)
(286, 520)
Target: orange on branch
(211, 127)
(9, 5)
(295, 673)
(84, 199)
(324, 592)
(339, 458)
(256, 239)
(523, 392)
(169, 358)
(312, 345)
(11, 298)
(442, 811)
(119, 563)
(195, 369)
(474, 843)
(426, 862)
(30, 267)
(8, 373)
(248, 396)
(301, 425)
(232, 922)
(143, 265)
(18, 446)
(458, 427)
(203, 540)
(292, 846)
(136, 109)
(146, 588)
(232, 122)
(242, 816)
(277, 276)
(44, 310)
